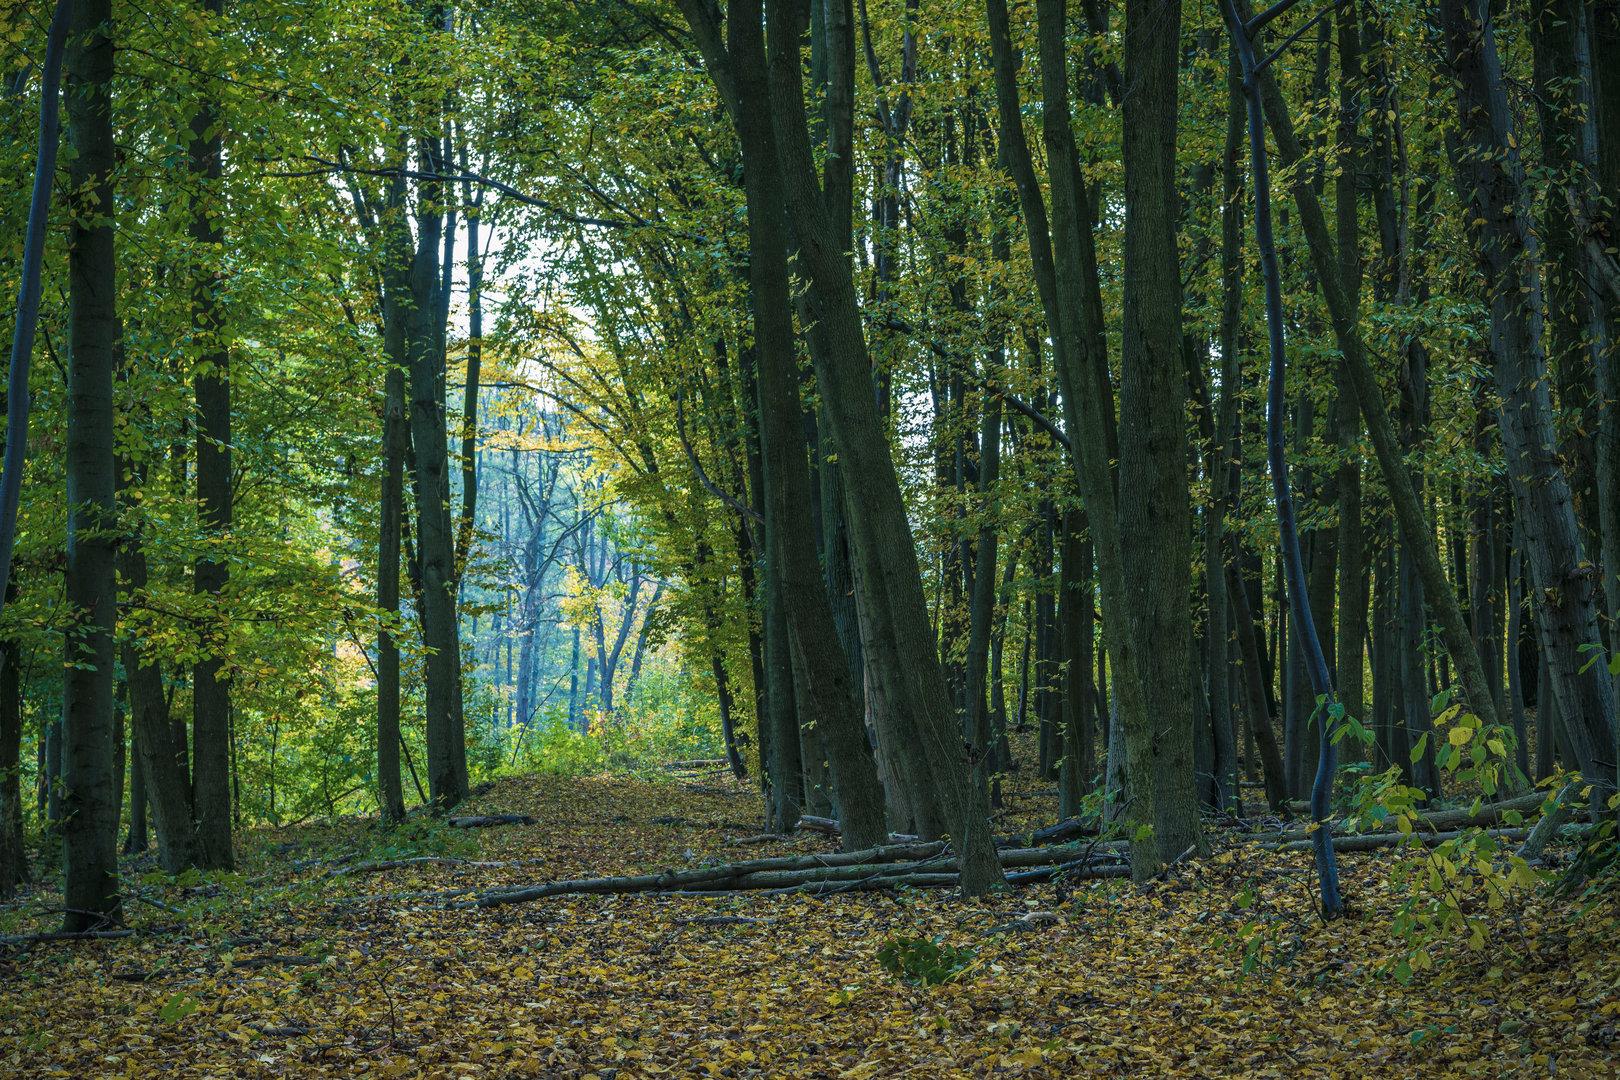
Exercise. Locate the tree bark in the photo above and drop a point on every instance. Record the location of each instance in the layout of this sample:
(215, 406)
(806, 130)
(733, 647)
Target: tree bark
(895, 625)
(28, 293)
(435, 542)
(1156, 521)
(89, 817)
(210, 693)
(1509, 255)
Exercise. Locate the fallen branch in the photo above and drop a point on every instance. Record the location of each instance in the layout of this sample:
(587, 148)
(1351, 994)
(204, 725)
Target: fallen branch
(64, 935)
(484, 821)
(422, 860)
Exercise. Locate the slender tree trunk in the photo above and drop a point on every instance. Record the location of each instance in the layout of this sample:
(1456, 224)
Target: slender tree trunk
(210, 693)
(1413, 522)
(1293, 564)
(441, 636)
(982, 606)
(1352, 631)
(28, 294)
(13, 858)
(90, 820)
(1156, 522)
(467, 519)
(1077, 610)
(135, 840)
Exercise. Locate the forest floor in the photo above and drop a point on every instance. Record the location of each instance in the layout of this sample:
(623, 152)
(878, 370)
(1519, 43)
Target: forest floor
(310, 962)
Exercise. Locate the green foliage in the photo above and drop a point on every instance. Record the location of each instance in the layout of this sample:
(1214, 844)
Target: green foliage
(636, 740)
(177, 1008)
(925, 961)
(1456, 890)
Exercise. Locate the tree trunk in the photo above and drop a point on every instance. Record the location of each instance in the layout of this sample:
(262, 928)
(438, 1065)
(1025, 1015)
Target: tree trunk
(441, 635)
(1509, 254)
(28, 295)
(90, 819)
(888, 582)
(13, 858)
(211, 694)
(1156, 521)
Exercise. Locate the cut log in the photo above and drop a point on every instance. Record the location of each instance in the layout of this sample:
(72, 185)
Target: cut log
(484, 821)
(1067, 829)
(918, 864)
(1437, 821)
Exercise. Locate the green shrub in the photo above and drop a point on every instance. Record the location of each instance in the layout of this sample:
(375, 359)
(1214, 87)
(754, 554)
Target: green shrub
(924, 961)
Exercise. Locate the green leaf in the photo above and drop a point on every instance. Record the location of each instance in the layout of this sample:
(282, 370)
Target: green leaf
(177, 1008)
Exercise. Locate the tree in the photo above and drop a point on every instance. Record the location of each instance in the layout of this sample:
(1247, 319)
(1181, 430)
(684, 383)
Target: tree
(90, 816)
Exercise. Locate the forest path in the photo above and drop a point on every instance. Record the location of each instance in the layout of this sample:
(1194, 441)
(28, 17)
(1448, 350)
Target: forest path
(338, 969)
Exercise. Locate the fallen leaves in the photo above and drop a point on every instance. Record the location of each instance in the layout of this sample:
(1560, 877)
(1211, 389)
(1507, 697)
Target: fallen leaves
(291, 969)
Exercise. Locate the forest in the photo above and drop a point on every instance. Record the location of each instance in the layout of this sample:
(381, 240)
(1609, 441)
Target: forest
(751, 538)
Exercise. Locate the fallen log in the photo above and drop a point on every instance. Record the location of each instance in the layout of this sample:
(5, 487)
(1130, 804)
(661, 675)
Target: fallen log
(1067, 829)
(696, 763)
(919, 864)
(422, 860)
(1374, 841)
(484, 821)
(1435, 821)
(64, 935)
(671, 880)
(1488, 814)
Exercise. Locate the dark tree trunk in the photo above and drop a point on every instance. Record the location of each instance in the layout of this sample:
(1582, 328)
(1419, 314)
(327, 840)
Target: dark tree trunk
(13, 858)
(982, 607)
(1509, 253)
(1077, 610)
(28, 295)
(441, 635)
(136, 840)
(210, 693)
(1156, 521)
(89, 816)
(1352, 632)
(902, 656)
